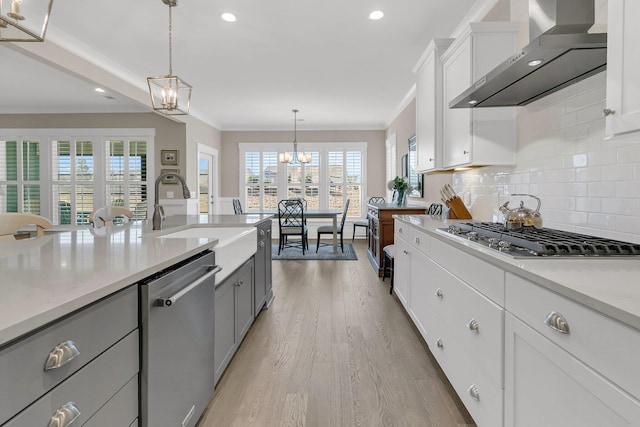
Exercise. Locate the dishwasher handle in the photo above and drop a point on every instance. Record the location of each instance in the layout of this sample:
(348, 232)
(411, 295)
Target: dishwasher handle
(168, 302)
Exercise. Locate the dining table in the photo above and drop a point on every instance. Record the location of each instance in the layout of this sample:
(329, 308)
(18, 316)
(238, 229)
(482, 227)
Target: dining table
(312, 214)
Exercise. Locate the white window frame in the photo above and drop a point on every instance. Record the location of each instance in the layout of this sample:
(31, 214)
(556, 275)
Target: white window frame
(99, 137)
(321, 147)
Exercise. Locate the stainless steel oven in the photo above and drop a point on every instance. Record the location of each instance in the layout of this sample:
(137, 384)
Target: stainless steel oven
(177, 373)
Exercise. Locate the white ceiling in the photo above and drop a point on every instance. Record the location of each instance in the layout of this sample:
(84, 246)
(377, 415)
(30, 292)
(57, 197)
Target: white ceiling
(340, 69)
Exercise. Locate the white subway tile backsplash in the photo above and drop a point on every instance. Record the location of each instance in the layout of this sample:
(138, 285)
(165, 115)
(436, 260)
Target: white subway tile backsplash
(617, 206)
(603, 157)
(586, 184)
(577, 132)
(601, 189)
(588, 204)
(589, 174)
(617, 172)
(628, 189)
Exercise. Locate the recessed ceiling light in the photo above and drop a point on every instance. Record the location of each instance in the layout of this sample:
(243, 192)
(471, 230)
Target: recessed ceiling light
(376, 14)
(229, 17)
(99, 89)
(535, 62)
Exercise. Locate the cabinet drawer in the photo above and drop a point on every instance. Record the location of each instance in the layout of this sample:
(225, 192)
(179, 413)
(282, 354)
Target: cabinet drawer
(459, 305)
(120, 410)
(416, 238)
(89, 388)
(482, 276)
(93, 330)
(607, 346)
(462, 371)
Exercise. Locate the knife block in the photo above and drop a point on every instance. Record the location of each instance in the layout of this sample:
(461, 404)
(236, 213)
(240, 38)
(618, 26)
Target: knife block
(457, 209)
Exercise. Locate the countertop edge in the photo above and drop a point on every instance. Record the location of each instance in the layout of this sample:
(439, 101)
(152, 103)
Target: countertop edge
(497, 260)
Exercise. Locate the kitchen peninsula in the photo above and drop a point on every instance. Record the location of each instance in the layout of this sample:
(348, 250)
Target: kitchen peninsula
(76, 293)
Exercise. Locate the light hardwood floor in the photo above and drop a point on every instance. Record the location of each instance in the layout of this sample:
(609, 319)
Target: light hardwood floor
(333, 349)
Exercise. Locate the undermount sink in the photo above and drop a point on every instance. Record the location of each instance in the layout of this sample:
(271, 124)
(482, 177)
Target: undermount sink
(235, 245)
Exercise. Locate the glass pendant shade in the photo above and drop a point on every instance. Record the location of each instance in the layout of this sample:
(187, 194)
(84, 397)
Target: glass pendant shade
(170, 94)
(24, 20)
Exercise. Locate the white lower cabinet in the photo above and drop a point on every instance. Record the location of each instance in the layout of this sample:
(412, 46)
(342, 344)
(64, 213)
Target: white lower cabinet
(401, 271)
(489, 332)
(546, 386)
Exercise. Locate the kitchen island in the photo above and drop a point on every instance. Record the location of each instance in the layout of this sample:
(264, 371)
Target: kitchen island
(514, 335)
(74, 295)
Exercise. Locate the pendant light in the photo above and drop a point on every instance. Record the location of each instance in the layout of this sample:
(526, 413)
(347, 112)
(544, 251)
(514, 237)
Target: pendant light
(295, 156)
(170, 94)
(24, 20)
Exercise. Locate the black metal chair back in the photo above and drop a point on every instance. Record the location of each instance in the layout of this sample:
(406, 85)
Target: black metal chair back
(377, 200)
(291, 213)
(344, 215)
(237, 207)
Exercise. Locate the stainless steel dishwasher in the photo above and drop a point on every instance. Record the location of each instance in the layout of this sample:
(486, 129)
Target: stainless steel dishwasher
(177, 373)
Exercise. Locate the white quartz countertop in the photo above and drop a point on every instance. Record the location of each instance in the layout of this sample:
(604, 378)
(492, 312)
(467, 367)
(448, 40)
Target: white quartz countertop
(45, 278)
(609, 285)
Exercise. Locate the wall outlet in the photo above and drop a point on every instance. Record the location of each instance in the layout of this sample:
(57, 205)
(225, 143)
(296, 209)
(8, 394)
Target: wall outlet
(169, 194)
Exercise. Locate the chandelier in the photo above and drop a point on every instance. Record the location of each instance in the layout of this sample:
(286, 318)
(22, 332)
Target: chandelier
(169, 94)
(24, 22)
(295, 155)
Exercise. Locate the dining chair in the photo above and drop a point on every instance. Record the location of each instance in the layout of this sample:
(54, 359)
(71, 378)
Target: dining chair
(106, 215)
(291, 222)
(365, 222)
(237, 207)
(388, 252)
(11, 222)
(328, 229)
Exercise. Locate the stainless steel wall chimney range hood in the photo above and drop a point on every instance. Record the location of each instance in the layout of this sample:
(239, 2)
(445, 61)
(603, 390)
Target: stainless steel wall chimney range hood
(560, 53)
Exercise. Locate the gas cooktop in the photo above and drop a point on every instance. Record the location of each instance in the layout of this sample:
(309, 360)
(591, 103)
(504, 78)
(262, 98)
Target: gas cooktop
(544, 242)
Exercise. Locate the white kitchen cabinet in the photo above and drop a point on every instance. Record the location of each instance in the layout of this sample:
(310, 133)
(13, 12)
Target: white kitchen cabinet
(429, 106)
(233, 315)
(547, 386)
(477, 136)
(401, 271)
(622, 108)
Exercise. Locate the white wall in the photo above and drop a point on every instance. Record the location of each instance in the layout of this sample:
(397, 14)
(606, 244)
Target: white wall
(586, 184)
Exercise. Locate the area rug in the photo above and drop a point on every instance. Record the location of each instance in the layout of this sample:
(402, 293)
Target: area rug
(324, 253)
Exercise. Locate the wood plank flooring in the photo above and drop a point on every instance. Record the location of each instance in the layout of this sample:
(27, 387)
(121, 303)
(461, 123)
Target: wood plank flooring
(333, 349)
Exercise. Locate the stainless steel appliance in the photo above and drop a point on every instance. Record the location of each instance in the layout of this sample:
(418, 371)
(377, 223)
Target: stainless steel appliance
(543, 242)
(177, 374)
(561, 52)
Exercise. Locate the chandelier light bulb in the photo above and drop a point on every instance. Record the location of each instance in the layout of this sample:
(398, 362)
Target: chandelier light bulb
(15, 10)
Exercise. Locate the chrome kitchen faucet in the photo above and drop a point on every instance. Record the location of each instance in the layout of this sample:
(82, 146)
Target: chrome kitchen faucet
(158, 210)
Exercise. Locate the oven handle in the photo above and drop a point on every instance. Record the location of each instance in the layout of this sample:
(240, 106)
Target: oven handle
(168, 302)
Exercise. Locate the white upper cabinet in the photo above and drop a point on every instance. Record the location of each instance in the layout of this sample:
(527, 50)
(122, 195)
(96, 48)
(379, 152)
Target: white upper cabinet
(622, 109)
(477, 136)
(429, 106)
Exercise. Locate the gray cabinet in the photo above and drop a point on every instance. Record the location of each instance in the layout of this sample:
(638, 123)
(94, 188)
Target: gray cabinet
(233, 315)
(97, 348)
(263, 280)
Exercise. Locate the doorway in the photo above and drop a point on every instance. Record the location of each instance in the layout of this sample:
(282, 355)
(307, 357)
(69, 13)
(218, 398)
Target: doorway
(207, 174)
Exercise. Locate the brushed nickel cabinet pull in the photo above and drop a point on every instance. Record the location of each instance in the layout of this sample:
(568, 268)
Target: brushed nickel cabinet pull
(65, 415)
(439, 293)
(557, 322)
(417, 240)
(473, 326)
(61, 354)
(439, 343)
(475, 394)
(608, 112)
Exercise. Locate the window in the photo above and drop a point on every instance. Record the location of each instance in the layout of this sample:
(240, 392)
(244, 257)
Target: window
(336, 172)
(64, 178)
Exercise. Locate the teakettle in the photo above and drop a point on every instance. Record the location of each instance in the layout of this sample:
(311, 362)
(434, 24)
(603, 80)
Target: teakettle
(515, 219)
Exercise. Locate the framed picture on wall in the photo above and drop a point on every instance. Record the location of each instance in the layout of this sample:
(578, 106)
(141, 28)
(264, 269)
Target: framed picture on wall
(169, 157)
(170, 179)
